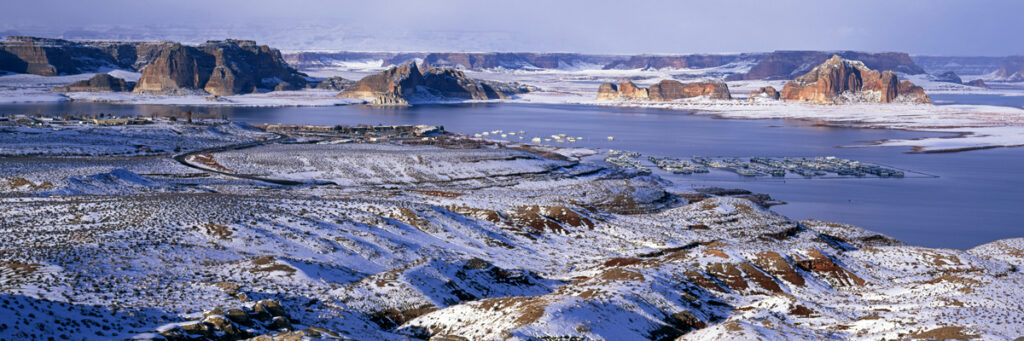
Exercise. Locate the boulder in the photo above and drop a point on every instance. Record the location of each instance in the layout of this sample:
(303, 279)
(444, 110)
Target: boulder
(978, 83)
(839, 80)
(99, 82)
(669, 90)
(271, 307)
(767, 92)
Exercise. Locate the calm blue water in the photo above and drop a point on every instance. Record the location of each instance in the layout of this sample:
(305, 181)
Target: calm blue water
(977, 197)
(1007, 101)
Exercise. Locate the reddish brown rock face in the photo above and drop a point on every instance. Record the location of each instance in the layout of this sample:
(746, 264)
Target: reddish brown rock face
(399, 80)
(909, 90)
(839, 80)
(225, 67)
(666, 90)
(765, 92)
(786, 64)
(453, 83)
(625, 91)
(397, 84)
(607, 92)
(631, 91)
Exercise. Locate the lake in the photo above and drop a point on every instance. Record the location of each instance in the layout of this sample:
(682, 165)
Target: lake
(974, 198)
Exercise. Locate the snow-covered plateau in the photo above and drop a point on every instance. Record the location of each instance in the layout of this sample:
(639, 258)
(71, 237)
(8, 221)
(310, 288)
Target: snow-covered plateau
(393, 233)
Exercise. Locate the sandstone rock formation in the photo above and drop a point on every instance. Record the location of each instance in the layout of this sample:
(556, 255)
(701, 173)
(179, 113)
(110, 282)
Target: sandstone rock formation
(398, 82)
(334, 83)
(623, 91)
(693, 61)
(397, 85)
(947, 77)
(511, 60)
(220, 68)
(1012, 69)
(767, 92)
(99, 82)
(51, 57)
(607, 92)
(978, 83)
(839, 80)
(789, 64)
(666, 90)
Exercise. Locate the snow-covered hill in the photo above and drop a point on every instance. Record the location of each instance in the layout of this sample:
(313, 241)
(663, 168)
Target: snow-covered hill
(462, 239)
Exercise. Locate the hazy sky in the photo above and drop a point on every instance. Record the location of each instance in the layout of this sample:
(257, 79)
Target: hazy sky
(933, 27)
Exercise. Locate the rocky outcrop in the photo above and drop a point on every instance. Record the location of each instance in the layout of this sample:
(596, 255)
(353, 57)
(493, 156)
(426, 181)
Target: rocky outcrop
(669, 90)
(607, 92)
(767, 92)
(334, 83)
(397, 85)
(666, 90)
(839, 80)
(1011, 69)
(947, 77)
(978, 83)
(789, 64)
(453, 83)
(694, 61)
(511, 60)
(400, 81)
(51, 57)
(99, 82)
(264, 318)
(623, 91)
(909, 92)
(220, 68)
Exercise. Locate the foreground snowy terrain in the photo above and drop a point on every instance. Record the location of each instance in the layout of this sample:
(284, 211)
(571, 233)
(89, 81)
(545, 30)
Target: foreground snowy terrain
(363, 235)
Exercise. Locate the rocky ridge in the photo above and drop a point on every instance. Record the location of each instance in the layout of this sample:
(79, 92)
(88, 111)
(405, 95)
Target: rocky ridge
(225, 67)
(99, 82)
(665, 90)
(52, 57)
(404, 84)
(789, 64)
(773, 65)
(840, 80)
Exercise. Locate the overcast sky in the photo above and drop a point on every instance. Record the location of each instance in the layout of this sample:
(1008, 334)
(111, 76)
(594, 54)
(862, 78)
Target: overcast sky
(933, 27)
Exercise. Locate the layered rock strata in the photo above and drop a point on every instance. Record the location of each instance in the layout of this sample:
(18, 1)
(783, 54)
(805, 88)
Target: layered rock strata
(839, 81)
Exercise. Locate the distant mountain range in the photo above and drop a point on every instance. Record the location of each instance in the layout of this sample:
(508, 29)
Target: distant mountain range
(50, 57)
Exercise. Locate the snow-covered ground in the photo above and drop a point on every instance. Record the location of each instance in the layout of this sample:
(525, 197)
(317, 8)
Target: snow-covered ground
(477, 240)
